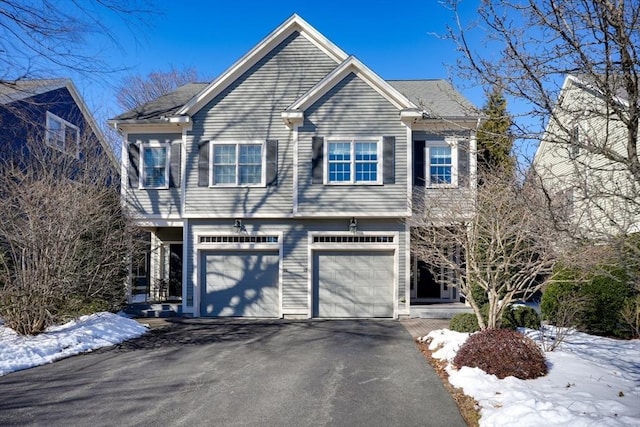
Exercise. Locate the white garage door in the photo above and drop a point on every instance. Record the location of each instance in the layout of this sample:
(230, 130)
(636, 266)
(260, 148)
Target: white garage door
(239, 283)
(353, 284)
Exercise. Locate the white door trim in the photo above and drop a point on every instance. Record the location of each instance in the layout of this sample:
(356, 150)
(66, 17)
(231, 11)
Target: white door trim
(356, 245)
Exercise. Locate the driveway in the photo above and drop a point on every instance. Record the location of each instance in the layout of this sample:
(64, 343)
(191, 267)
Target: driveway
(230, 372)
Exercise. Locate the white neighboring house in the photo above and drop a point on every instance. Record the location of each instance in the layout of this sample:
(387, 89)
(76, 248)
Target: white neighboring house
(584, 161)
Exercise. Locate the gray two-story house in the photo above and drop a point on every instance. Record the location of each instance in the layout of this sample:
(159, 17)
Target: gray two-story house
(284, 187)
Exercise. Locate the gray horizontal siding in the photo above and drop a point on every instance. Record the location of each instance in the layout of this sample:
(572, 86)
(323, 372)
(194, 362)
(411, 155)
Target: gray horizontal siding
(446, 204)
(352, 108)
(165, 202)
(295, 262)
(249, 109)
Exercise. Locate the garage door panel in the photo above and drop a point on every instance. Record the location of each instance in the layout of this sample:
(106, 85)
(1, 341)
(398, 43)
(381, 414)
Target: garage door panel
(240, 283)
(353, 284)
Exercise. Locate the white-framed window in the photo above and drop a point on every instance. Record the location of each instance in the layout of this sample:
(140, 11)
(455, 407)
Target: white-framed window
(441, 160)
(237, 163)
(62, 135)
(154, 161)
(353, 161)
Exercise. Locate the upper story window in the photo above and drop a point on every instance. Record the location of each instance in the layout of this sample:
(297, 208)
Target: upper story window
(353, 161)
(441, 160)
(440, 165)
(237, 163)
(155, 166)
(62, 135)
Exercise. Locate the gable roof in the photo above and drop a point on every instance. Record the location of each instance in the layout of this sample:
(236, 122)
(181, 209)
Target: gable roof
(430, 95)
(291, 25)
(351, 65)
(24, 89)
(418, 98)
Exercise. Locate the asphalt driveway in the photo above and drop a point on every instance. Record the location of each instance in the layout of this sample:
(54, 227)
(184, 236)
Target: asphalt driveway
(230, 372)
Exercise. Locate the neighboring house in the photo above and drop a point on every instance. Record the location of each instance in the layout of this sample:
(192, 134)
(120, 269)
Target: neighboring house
(580, 162)
(48, 116)
(284, 187)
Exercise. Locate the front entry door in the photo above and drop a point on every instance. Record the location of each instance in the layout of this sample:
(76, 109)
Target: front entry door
(171, 268)
(428, 282)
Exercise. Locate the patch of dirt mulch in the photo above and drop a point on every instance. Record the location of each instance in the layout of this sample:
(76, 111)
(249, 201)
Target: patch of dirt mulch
(467, 405)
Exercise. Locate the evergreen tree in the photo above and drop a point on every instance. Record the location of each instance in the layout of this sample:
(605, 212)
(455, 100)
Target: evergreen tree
(494, 136)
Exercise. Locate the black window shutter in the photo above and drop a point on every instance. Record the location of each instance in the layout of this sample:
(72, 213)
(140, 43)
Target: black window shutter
(203, 164)
(317, 146)
(418, 163)
(389, 159)
(272, 162)
(134, 165)
(175, 165)
(463, 163)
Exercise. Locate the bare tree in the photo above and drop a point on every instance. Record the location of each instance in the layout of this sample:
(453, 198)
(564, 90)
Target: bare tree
(42, 37)
(531, 49)
(63, 236)
(503, 244)
(137, 90)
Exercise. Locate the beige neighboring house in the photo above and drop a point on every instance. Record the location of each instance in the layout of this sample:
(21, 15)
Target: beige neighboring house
(582, 161)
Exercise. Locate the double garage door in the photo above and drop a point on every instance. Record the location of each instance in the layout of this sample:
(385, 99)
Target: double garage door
(240, 283)
(353, 284)
(345, 284)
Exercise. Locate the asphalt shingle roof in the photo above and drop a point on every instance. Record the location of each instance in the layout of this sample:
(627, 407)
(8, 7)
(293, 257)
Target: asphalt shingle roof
(22, 89)
(165, 105)
(437, 97)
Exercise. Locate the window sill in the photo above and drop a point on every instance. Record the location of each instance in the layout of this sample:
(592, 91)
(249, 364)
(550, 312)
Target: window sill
(441, 186)
(353, 184)
(237, 186)
(154, 188)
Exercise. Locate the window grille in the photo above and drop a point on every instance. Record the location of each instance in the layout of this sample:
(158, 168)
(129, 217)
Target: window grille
(238, 239)
(353, 239)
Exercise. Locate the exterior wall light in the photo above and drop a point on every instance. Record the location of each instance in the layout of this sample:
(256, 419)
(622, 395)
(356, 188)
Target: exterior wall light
(238, 227)
(353, 225)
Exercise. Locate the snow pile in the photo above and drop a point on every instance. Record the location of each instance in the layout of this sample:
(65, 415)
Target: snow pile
(83, 334)
(592, 381)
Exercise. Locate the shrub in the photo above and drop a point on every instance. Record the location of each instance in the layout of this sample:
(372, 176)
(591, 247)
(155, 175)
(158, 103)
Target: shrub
(479, 295)
(516, 317)
(464, 322)
(503, 353)
(520, 316)
(605, 295)
(599, 296)
(560, 291)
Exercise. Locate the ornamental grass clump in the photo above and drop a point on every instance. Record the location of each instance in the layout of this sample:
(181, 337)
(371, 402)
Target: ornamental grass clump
(503, 353)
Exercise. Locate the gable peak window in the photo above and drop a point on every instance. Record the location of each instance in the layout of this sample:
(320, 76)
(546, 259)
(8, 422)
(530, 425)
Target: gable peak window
(155, 166)
(62, 135)
(353, 161)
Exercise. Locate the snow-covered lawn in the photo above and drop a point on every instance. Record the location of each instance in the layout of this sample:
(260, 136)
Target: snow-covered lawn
(83, 334)
(592, 381)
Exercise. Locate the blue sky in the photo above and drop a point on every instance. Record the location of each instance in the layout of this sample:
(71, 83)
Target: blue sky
(397, 40)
